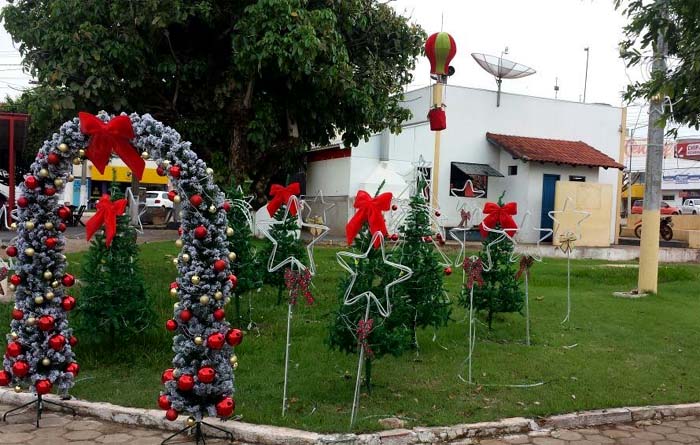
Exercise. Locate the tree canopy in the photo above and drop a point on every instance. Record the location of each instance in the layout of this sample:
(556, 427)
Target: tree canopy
(679, 22)
(253, 83)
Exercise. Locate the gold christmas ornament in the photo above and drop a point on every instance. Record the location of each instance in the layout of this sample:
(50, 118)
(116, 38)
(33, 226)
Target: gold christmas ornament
(63, 147)
(43, 173)
(185, 258)
(198, 340)
(234, 366)
(145, 155)
(13, 226)
(48, 225)
(176, 373)
(18, 388)
(175, 261)
(218, 295)
(210, 171)
(212, 209)
(71, 178)
(233, 359)
(29, 225)
(55, 284)
(204, 299)
(173, 292)
(49, 295)
(190, 421)
(166, 163)
(39, 300)
(195, 279)
(81, 153)
(58, 182)
(227, 300)
(45, 361)
(12, 286)
(176, 305)
(48, 275)
(31, 321)
(178, 243)
(229, 231)
(77, 161)
(29, 251)
(232, 256)
(177, 199)
(14, 336)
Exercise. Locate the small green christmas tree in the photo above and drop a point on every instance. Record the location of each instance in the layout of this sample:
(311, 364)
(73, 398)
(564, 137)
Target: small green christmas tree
(288, 244)
(424, 291)
(246, 265)
(113, 305)
(501, 291)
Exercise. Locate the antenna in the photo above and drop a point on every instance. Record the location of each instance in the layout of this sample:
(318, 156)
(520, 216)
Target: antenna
(501, 68)
(556, 87)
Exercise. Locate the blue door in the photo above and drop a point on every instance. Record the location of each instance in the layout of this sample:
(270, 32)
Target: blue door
(548, 188)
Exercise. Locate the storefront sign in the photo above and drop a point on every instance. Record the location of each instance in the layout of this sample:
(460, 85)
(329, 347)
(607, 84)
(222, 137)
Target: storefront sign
(688, 149)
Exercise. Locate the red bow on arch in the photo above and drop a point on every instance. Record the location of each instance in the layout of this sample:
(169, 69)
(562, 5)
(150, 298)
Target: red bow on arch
(280, 197)
(368, 209)
(107, 212)
(499, 215)
(114, 135)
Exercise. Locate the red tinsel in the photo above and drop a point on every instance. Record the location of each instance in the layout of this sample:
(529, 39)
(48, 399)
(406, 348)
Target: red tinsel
(298, 283)
(364, 328)
(473, 268)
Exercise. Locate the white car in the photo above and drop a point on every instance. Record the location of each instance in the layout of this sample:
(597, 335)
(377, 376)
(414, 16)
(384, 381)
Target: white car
(158, 199)
(691, 207)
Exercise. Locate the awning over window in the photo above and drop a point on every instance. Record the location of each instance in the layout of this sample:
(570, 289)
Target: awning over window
(477, 169)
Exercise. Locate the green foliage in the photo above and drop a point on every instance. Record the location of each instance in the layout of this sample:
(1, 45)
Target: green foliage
(263, 78)
(288, 245)
(424, 291)
(246, 267)
(501, 292)
(113, 306)
(679, 23)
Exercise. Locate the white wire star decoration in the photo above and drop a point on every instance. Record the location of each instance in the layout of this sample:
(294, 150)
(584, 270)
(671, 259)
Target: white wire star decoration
(325, 206)
(560, 218)
(525, 226)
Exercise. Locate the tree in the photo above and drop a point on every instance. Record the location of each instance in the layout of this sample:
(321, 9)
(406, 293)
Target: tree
(264, 78)
(113, 305)
(424, 291)
(679, 22)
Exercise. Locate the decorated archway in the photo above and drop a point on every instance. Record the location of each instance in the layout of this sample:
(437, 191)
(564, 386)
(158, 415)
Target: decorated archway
(40, 356)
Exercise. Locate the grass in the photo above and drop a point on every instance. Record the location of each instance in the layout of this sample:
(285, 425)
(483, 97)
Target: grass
(628, 352)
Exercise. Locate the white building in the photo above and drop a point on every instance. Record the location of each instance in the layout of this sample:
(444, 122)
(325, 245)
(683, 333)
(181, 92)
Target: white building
(521, 147)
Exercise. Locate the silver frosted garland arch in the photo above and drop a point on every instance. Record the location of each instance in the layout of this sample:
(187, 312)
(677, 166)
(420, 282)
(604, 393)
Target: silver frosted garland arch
(38, 296)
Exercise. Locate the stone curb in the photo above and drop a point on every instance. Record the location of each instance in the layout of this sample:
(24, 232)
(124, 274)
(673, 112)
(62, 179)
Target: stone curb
(273, 435)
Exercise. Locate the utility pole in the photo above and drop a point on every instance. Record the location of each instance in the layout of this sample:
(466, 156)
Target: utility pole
(649, 252)
(585, 80)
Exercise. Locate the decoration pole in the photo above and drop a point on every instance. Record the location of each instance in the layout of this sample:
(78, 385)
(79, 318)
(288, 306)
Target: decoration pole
(435, 175)
(286, 349)
(356, 395)
(472, 331)
(527, 309)
(568, 287)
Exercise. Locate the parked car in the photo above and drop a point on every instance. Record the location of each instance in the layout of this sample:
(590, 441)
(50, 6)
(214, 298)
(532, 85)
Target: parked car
(666, 208)
(158, 199)
(691, 207)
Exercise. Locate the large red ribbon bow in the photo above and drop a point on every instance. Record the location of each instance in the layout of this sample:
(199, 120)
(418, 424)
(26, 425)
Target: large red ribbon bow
(368, 209)
(364, 328)
(499, 215)
(107, 212)
(280, 197)
(114, 135)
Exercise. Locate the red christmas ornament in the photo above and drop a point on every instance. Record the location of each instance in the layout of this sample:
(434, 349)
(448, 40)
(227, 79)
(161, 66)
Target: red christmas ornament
(73, 341)
(175, 171)
(73, 368)
(49, 191)
(206, 374)
(57, 342)
(234, 280)
(167, 375)
(46, 322)
(225, 407)
(394, 237)
(68, 280)
(5, 378)
(185, 315)
(171, 414)
(394, 207)
(11, 251)
(53, 159)
(17, 314)
(160, 170)
(437, 213)
(200, 232)
(219, 314)
(196, 200)
(43, 387)
(14, 349)
(22, 202)
(171, 325)
(428, 239)
(216, 341)
(31, 182)
(164, 402)
(172, 194)
(62, 227)
(173, 285)
(15, 279)
(65, 213)
(226, 206)
(180, 231)
(219, 265)
(234, 337)
(185, 382)
(68, 303)
(448, 270)
(51, 242)
(20, 368)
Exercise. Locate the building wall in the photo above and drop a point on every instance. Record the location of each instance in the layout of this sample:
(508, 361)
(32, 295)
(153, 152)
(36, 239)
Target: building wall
(593, 198)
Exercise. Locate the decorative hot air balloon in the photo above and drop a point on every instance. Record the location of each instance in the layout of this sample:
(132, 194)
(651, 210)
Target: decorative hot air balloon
(440, 48)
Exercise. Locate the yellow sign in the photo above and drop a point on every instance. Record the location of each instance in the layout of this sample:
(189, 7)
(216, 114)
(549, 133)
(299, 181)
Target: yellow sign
(123, 174)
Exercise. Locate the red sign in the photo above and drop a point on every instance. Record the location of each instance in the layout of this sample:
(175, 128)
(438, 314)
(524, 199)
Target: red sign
(688, 149)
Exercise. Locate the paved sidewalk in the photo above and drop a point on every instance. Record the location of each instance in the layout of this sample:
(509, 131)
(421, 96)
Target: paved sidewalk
(59, 429)
(684, 430)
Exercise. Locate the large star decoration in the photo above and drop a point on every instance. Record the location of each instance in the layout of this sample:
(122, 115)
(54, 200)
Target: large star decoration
(349, 299)
(565, 217)
(273, 264)
(525, 226)
(503, 237)
(467, 185)
(325, 206)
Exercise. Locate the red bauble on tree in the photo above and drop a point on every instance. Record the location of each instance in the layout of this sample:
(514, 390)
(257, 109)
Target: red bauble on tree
(219, 314)
(172, 194)
(57, 342)
(68, 303)
(167, 375)
(160, 171)
(234, 337)
(171, 414)
(61, 227)
(200, 232)
(226, 206)
(448, 270)
(20, 368)
(51, 242)
(220, 265)
(49, 191)
(225, 407)
(31, 182)
(11, 251)
(206, 374)
(5, 378)
(15, 279)
(185, 382)
(22, 202)
(46, 323)
(175, 171)
(216, 341)
(196, 200)
(43, 387)
(234, 280)
(171, 325)
(64, 213)
(53, 158)
(73, 368)
(185, 315)
(17, 314)
(73, 340)
(68, 280)
(164, 402)
(14, 349)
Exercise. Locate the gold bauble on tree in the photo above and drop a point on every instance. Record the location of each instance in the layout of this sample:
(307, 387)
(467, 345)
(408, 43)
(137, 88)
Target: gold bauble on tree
(55, 284)
(210, 171)
(190, 421)
(29, 225)
(48, 275)
(185, 258)
(49, 295)
(29, 251)
(177, 199)
(45, 361)
(71, 178)
(14, 336)
(176, 305)
(234, 366)
(212, 209)
(175, 261)
(18, 388)
(77, 161)
(31, 321)
(229, 231)
(48, 225)
(218, 295)
(81, 153)
(39, 300)
(178, 243)
(13, 226)
(43, 173)
(234, 359)
(198, 340)
(204, 299)
(173, 292)
(11, 286)
(232, 256)
(62, 147)
(58, 182)
(145, 156)
(195, 279)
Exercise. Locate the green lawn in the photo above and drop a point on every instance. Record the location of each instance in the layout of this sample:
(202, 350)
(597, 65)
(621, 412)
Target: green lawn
(629, 352)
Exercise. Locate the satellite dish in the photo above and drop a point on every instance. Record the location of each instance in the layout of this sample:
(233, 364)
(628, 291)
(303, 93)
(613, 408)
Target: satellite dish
(501, 68)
